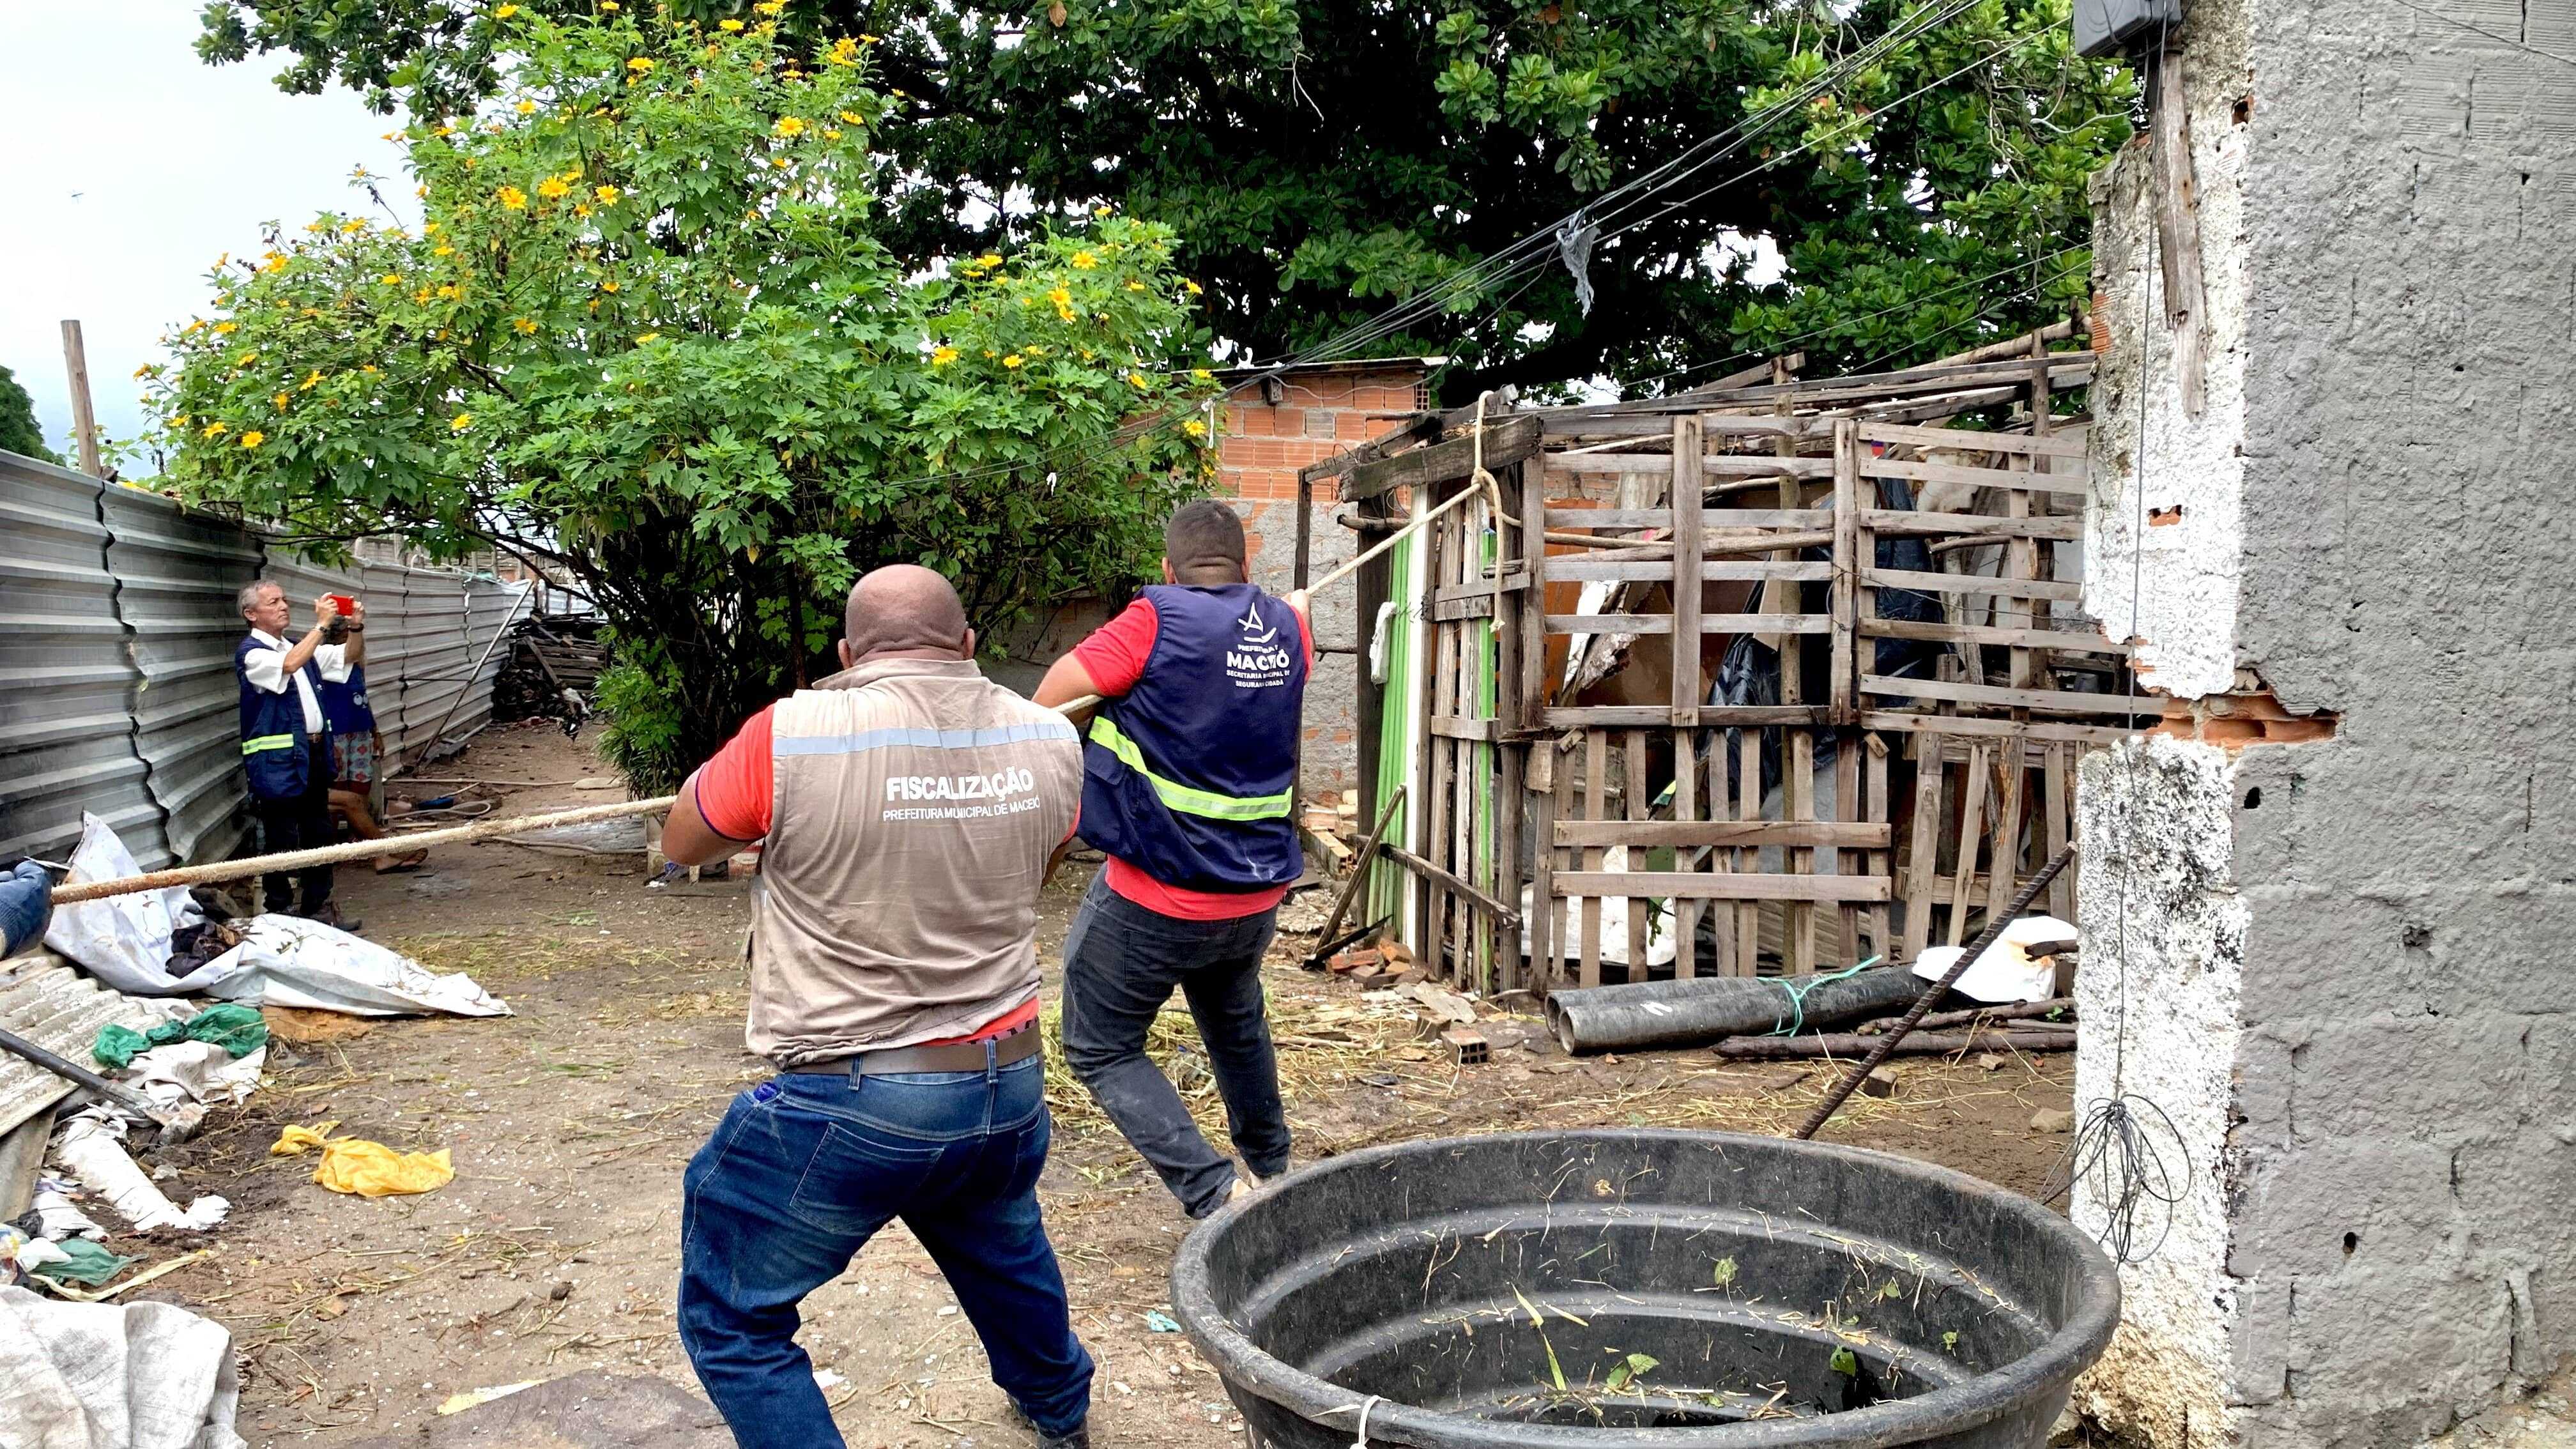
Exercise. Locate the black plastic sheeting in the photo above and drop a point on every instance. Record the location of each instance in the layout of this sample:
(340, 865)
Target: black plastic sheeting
(1642, 1290)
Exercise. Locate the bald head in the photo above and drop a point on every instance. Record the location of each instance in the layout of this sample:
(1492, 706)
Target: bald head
(905, 611)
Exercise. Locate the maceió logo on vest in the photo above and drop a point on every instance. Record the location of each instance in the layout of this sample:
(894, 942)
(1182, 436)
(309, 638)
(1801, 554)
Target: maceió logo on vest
(1260, 661)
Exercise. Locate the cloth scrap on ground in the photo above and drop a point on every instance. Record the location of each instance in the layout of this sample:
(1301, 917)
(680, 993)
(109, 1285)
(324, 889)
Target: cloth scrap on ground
(90, 1145)
(137, 1375)
(367, 1169)
(82, 1261)
(239, 1030)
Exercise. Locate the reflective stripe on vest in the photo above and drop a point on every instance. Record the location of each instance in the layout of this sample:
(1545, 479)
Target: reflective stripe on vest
(1184, 798)
(268, 742)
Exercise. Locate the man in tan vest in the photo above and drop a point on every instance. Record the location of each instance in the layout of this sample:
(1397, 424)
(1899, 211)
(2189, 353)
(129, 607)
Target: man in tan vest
(912, 809)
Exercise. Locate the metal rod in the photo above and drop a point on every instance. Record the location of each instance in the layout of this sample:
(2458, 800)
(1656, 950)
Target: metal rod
(499, 632)
(1914, 1014)
(1359, 870)
(71, 1071)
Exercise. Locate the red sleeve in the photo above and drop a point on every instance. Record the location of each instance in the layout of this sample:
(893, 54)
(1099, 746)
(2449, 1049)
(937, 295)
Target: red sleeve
(734, 787)
(1115, 654)
(1306, 632)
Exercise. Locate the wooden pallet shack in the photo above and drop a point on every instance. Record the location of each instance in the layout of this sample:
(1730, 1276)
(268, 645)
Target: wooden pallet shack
(1770, 676)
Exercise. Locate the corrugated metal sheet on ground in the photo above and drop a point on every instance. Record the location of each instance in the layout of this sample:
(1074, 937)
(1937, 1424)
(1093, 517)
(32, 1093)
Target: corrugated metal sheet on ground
(45, 1000)
(117, 629)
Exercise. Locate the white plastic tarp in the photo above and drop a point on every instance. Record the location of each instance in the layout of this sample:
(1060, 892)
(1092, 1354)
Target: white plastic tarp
(133, 1375)
(124, 941)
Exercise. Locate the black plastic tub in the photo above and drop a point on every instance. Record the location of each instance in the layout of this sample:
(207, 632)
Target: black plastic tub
(1642, 1288)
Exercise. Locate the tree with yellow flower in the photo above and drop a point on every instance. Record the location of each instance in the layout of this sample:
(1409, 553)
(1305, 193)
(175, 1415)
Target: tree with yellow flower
(627, 343)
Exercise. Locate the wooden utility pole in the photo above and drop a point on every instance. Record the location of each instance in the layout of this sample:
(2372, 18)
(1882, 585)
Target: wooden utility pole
(84, 425)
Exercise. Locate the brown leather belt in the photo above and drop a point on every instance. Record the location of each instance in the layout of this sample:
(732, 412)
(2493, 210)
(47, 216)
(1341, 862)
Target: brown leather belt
(967, 1056)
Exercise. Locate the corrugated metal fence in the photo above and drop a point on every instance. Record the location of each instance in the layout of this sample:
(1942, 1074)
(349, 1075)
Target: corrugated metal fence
(117, 630)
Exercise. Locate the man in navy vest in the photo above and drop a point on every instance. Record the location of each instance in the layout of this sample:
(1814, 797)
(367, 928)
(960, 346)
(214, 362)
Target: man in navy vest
(286, 745)
(1188, 776)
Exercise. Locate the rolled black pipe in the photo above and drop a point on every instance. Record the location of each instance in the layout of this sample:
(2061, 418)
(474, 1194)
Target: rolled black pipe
(1648, 1014)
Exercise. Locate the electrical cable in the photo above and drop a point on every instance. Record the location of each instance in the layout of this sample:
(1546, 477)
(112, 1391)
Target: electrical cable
(2121, 1142)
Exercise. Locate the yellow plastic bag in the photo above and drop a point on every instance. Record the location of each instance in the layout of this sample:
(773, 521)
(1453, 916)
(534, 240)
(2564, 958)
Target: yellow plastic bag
(368, 1169)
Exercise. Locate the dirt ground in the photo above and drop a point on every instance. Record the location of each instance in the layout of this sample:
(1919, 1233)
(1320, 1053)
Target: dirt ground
(556, 1247)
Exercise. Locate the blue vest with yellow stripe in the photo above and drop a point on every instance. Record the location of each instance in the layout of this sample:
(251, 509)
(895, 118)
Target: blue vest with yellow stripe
(275, 753)
(1189, 777)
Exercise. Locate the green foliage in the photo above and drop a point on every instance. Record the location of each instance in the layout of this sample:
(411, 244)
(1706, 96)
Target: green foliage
(648, 333)
(19, 432)
(1319, 158)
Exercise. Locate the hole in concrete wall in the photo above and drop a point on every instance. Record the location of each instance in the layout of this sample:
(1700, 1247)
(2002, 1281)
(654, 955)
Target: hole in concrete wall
(2350, 1242)
(2164, 517)
(2254, 798)
(2244, 109)
(2415, 936)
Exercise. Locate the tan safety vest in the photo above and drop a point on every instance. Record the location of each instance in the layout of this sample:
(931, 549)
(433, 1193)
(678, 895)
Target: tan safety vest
(915, 805)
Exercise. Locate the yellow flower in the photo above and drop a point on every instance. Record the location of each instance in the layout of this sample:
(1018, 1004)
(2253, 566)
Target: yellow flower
(1011, 361)
(281, 400)
(778, 161)
(215, 430)
(444, 129)
(1195, 428)
(853, 119)
(512, 197)
(790, 126)
(276, 262)
(193, 325)
(1060, 296)
(608, 5)
(1201, 374)
(1194, 288)
(553, 188)
(527, 326)
(1138, 378)
(527, 108)
(221, 328)
(831, 133)
(429, 228)
(581, 208)
(1034, 350)
(1101, 212)
(505, 12)
(609, 286)
(352, 228)
(460, 422)
(607, 194)
(898, 95)
(367, 367)
(253, 438)
(942, 355)
(247, 358)
(390, 279)
(1135, 286)
(647, 337)
(639, 65)
(447, 292)
(867, 39)
(988, 259)
(422, 296)
(310, 379)
(728, 25)
(442, 250)
(770, 7)
(1084, 261)
(143, 372)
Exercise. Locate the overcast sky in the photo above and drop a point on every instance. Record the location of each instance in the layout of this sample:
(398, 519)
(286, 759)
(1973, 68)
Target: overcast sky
(129, 167)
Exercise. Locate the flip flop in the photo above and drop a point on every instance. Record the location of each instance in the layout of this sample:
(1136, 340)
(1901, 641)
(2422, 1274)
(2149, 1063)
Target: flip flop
(403, 863)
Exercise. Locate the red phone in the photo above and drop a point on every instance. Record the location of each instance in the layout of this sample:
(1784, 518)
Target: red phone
(347, 605)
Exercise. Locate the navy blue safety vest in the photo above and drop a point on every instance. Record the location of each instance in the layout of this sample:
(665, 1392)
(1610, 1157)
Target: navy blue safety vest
(344, 705)
(1189, 776)
(275, 753)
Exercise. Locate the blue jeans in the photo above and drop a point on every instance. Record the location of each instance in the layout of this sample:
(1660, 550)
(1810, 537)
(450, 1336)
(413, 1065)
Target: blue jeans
(803, 1171)
(1121, 963)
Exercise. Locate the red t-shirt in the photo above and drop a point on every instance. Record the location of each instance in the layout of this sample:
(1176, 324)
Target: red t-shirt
(733, 792)
(1114, 656)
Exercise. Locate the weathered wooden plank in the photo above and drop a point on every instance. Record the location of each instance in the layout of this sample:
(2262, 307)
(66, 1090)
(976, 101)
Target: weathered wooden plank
(1508, 440)
(1881, 862)
(1798, 804)
(1810, 571)
(1911, 523)
(1922, 581)
(1687, 566)
(1632, 781)
(1596, 790)
(1725, 886)
(1845, 594)
(1452, 883)
(1878, 432)
(1473, 606)
(1972, 802)
(1748, 807)
(1454, 727)
(1687, 834)
(1724, 518)
(1708, 624)
(1713, 465)
(2062, 640)
(2062, 701)
(1686, 914)
(2070, 483)
(1649, 716)
(1960, 724)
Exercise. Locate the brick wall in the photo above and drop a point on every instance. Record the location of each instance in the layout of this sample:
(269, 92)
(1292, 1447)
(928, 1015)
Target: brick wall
(1261, 445)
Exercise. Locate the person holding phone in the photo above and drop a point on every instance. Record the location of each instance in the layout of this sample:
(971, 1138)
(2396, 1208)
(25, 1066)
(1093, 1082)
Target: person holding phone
(286, 746)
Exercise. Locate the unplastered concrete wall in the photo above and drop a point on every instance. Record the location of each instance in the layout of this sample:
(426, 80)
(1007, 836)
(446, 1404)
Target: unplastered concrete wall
(2344, 957)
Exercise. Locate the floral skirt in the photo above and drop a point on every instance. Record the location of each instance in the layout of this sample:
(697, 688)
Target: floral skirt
(353, 760)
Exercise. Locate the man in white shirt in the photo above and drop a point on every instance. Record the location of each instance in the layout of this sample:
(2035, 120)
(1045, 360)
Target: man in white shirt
(286, 748)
